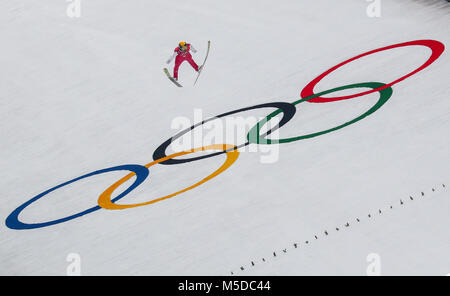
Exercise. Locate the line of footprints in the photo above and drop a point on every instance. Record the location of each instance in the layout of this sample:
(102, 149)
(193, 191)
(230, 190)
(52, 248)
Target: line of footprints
(337, 229)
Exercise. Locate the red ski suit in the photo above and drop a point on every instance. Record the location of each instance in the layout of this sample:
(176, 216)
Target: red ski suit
(181, 57)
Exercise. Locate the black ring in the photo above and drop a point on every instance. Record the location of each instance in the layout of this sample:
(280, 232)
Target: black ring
(288, 112)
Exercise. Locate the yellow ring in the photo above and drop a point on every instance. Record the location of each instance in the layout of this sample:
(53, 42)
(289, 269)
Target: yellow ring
(105, 202)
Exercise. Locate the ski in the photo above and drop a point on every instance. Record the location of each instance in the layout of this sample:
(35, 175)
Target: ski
(203, 65)
(171, 78)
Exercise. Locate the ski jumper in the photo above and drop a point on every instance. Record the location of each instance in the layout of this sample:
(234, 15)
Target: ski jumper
(181, 56)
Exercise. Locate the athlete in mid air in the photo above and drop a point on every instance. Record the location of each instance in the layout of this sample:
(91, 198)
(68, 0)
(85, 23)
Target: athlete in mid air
(181, 54)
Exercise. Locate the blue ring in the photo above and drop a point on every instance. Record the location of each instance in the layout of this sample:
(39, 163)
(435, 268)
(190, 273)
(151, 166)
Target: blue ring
(13, 219)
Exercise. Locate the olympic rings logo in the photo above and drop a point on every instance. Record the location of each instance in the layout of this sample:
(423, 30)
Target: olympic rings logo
(288, 110)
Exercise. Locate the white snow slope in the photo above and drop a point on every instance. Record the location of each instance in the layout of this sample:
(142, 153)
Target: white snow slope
(79, 95)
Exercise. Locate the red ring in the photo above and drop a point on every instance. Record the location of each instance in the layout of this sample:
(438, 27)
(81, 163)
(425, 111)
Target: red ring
(436, 47)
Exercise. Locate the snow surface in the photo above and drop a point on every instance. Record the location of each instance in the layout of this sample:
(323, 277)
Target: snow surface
(82, 94)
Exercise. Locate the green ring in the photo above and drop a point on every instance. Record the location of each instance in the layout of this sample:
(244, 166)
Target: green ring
(254, 134)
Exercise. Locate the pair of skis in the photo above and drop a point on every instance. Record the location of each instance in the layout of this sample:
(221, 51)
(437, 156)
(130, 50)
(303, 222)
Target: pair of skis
(199, 72)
